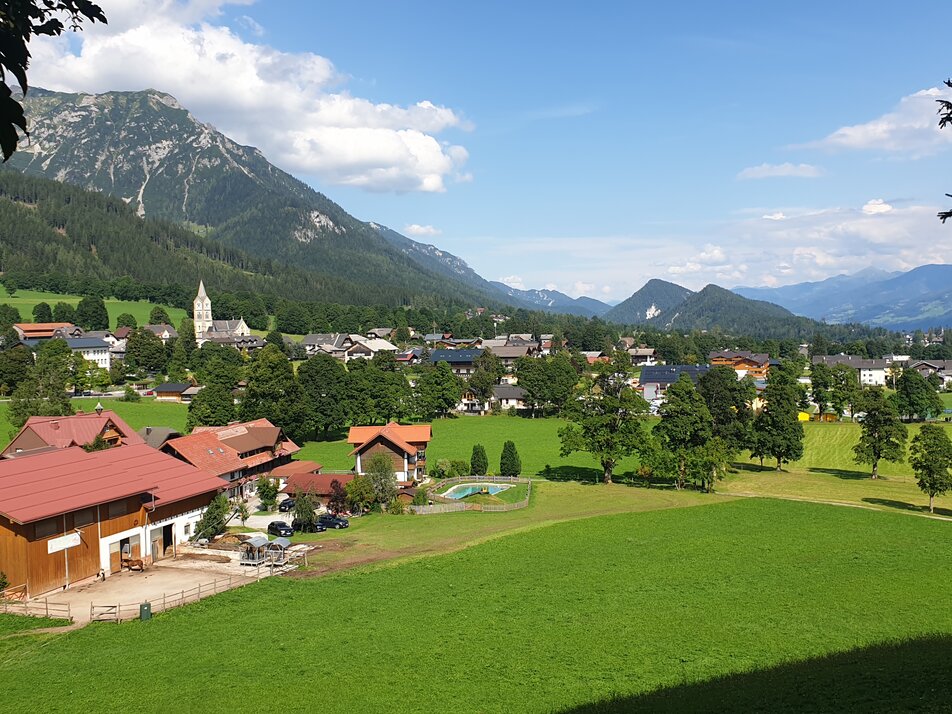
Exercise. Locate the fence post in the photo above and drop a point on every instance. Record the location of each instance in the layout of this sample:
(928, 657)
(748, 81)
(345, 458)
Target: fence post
(46, 600)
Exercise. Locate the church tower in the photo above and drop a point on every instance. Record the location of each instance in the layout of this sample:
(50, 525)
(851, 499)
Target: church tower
(201, 313)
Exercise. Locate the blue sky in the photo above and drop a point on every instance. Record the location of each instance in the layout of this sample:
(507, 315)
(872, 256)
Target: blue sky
(561, 145)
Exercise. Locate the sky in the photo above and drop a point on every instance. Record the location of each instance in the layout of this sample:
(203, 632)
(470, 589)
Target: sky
(584, 147)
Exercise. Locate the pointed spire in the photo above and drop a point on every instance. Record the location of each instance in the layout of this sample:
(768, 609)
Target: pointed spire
(201, 289)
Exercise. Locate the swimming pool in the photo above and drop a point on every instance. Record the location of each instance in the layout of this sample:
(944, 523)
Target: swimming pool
(468, 489)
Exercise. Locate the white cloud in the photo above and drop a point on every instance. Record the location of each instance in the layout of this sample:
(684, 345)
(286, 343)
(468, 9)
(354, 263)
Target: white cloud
(292, 105)
(685, 268)
(415, 229)
(780, 170)
(606, 289)
(580, 288)
(513, 281)
(250, 24)
(911, 128)
(712, 254)
(875, 206)
(551, 286)
(778, 216)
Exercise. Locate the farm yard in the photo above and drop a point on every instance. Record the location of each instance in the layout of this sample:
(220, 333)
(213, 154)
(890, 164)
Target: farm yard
(600, 614)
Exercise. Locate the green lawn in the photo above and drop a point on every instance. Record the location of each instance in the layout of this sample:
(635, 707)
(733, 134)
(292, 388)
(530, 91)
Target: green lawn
(652, 607)
(146, 412)
(946, 399)
(11, 624)
(25, 300)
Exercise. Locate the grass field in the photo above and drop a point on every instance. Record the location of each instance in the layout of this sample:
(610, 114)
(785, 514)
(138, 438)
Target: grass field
(25, 300)
(652, 608)
(11, 624)
(146, 412)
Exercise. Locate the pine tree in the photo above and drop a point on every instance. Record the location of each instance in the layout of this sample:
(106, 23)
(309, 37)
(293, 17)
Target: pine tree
(509, 462)
(479, 464)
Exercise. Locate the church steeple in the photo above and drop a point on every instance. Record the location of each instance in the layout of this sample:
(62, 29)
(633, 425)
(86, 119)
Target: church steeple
(201, 314)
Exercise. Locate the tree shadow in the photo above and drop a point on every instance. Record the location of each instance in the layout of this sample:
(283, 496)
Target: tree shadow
(582, 474)
(846, 474)
(910, 676)
(903, 506)
(755, 468)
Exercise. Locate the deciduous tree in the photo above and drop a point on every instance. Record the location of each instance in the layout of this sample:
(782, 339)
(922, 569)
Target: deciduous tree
(685, 424)
(323, 380)
(91, 313)
(42, 312)
(379, 471)
(931, 459)
(438, 391)
(778, 430)
(883, 436)
(214, 405)
(126, 320)
(159, 316)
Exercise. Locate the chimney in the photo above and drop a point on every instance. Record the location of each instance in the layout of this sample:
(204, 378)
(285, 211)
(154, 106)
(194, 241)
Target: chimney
(148, 430)
(99, 408)
(54, 424)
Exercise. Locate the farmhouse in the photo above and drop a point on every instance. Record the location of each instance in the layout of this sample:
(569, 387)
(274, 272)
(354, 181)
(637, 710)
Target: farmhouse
(509, 354)
(642, 356)
(509, 396)
(176, 391)
(655, 380)
(927, 368)
(68, 515)
(744, 363)
(405, 445)
(238, 453)
(43, 434)
(46, 330)
(320, 486)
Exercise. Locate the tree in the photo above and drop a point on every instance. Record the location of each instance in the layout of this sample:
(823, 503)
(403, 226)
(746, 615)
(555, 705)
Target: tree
(486, 375)
(438, 391)
(275, 338)
(479, 464)
(16, 364)
(379, 471)
(685, 424)
(821, 386)
(845, 390)
(728, 401)
(43, 391)
(64, 312)
(97, 444)
(269, 378)
(91, 313)
(244, 513)
(385, 361)
(509, 462)
(212, 406)
(606, 419)
(145, 351)
(778, 430)
(945, 118)
(214, 518)
(931, 459)
(159, 316)
(42, 312)
(267, 490)
(337, 502)
(915, 397)
(709, 462)
(186, 337)
(21, 21)
(883, 435)
(304, 505)
(360, 494)
(126, 320)
(323, 380)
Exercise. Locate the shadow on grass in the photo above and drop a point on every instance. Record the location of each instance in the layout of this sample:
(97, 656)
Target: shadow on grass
(582, 474)
(910, 676)
(846, 474)
(903, 506)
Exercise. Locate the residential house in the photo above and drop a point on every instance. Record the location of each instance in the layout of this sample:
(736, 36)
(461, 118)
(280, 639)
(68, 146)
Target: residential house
(434, 337)
(46, 330)
(655, 380)
(318, 486)
(745, 364)
(122, 333)
(238, 453)
(470, 403)
(163, 332)
(871, 372)
(285, 471)
(176, 392)
(383, 333)
(927, 368)
(643, 356)
(410, 357)
(49, 433)
(405, 445)
(67, 515)
(509, 397)
(595, 356)
(625, 343)
(156, 436)
(509, 354)
(461, 362)
(242, 343)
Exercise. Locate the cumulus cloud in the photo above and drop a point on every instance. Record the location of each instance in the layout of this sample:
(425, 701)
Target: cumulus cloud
(294, 106)
(910, 128)
(711, 254)
(580, 288)
(876, 205)
(415, 229)
(514, 281)
(551, 286)
(780, 170)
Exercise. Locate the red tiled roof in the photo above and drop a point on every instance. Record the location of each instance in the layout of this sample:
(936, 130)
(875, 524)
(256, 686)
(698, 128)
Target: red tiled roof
(296, 467)
(398, 435)
(41, 329)
(212, 447)
(65, 480)
(64, 431)
(317, 484)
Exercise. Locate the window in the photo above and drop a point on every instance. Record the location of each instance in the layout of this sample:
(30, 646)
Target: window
(47, 528)
(84, 517)
(118, 509)
(187, 529)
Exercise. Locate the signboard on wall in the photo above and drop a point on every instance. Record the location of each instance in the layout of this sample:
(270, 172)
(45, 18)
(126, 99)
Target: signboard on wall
(70, 540)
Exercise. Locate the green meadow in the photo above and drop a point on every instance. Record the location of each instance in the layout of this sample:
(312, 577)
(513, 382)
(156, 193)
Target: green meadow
(146, 412)
(748, 605)
(26, 300)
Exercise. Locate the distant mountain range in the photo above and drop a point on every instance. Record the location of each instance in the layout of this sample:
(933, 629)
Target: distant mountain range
(554, 301)
(918, 299)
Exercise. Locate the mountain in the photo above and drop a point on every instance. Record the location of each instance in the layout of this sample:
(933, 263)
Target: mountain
(146, 149)
(918, 299)
(553, 301)
(653, 302)
(715, 307)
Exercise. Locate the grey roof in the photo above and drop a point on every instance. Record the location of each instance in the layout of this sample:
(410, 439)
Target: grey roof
(256, 541)
(173, 387)
(433, 337)
(851, 360)
(86, 343)
(455, 356)
(281, 543)
(508, 391)
(156, 436)
(671, 373)
(158, 329)
(642, 351)
(510, 351)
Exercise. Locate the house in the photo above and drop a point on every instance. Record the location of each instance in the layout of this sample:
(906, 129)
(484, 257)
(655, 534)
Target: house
(383, 333)
(470, 403)
(46, 330)
(595, 356)
(163, 332)
(122, 333)
(410, 357)
(509, 396)
(68, 515)
(319, 486)
(156, 436)
(461, 362)
(871, 372)
(405, 445)
(248, 343)
(42, 433)
(756, 366)
(927, 368)
(509, 354)
(434, 337)
(625, 343)
(655, 380)
(285, 471)
(176, 391)
(90, 348)
(238, 453)
(643, 356)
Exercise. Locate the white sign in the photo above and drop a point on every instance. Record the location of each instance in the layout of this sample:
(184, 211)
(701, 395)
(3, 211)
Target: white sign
(70, 540)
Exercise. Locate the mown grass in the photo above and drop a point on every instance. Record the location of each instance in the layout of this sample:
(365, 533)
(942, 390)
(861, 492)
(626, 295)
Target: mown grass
(26, 300)
(145, 412)
(12, 624)
(551, 619)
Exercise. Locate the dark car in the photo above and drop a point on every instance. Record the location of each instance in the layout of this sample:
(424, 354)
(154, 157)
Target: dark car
(302, 527)
(329, 521)
(286, 505)
(280, 528)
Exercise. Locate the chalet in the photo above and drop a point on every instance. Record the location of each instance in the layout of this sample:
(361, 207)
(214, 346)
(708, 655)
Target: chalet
(176, 391)
(509, 354)
(122, 333)
(68, 515)
(461, 362)
(509, 396)
(434, 337)
(625, 343)
(470, 403)
(642, 356)
(383, 333)
(282, 473)
(163, 332)
(247, 343)
(655, 380)
(46, 330)
(927, 368)
(238, 453)
(871, 372)
(319, 486)
(744, 363)
(41, 434)
(410, 357)
(595, 356)
(405, 445)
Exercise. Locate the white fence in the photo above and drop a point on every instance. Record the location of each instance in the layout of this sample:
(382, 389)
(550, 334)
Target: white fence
(454, 507)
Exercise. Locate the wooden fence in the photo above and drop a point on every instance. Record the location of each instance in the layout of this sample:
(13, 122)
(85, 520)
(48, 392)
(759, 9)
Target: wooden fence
(455, 507)
(36, 608)
(119, 612)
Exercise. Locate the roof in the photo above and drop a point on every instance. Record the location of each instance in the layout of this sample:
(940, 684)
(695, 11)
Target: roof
(57, 482)
(253, 437)
(156, 436)
(454, 356)
(75, 343)
(258, 541)
(41, 329)
(316, 484)
(159, 329)
(61, 432)
(508, 391)
(733, 355)
(172, 387)
(510, 351)
(851, 360)
(296, 467)
(122, 333)
(671, 373)
(217, 448)
(397, 434)
(280, 543)
(642, 351)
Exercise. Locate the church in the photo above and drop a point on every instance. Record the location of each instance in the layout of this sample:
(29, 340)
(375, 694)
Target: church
(224, 332)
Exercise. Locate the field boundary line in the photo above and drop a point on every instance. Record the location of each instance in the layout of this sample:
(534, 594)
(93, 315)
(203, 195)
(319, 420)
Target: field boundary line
(847, 504)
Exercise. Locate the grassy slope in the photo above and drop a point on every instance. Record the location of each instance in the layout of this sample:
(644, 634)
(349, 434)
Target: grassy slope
(146, 412)
(10, 624)
(546, 620)
(25, 300)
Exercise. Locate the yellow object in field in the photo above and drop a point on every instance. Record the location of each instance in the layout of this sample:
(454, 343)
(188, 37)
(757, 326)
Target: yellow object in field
(803, 416)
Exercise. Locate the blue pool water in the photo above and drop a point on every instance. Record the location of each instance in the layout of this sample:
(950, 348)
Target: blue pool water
(468, 489)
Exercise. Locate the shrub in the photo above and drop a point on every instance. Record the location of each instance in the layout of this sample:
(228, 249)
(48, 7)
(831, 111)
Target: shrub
(509, 463)
(395, 507)
(458, 467)
(267, 493)
(130, 395)
(4, 582)
(479, 461)
(420, 497)
(441, 470)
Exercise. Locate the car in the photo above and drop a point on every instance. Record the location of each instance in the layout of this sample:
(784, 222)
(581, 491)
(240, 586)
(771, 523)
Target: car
(280, 528)
(300, 527)
(330, 521)
(286, 505)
